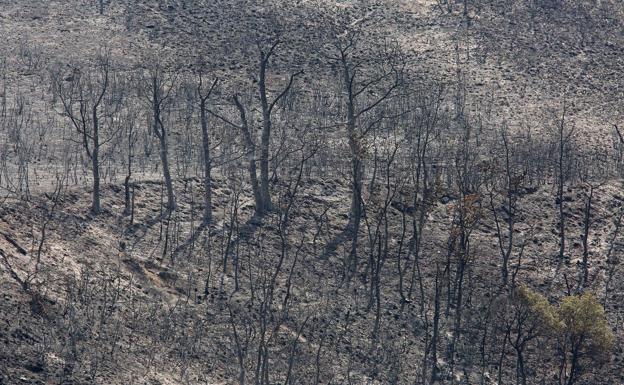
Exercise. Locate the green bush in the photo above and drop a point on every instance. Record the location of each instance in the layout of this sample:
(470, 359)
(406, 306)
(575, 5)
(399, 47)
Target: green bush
(579, 325)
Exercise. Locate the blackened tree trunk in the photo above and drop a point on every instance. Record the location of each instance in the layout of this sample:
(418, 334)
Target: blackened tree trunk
(267, 111)
(83, 99)
(563, 138)
(265, 136)
(250, 153)
(161, 86)
(131, 142)
(95, 163)
(383, 80)
(203, 100)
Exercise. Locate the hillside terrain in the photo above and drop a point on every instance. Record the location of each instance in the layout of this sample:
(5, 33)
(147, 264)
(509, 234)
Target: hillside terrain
(311, 192)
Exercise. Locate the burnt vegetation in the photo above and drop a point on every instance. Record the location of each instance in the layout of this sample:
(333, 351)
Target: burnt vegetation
(311, 192)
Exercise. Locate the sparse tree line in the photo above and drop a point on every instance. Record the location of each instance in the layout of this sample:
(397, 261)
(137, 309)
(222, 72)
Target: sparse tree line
(425, 278)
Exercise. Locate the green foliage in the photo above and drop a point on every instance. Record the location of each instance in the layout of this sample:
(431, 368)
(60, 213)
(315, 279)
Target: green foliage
(578, 324)
(580, 319)
(539, 307)
(585, 324)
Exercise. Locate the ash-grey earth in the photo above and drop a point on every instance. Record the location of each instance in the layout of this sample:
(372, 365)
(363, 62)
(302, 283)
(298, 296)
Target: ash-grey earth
(311, 192)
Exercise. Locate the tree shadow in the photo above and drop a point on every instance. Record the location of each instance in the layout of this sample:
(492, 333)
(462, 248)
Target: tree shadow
(343, 236)
(245, 232)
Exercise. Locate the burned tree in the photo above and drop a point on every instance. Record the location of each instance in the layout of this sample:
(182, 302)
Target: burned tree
(203, 96)
(369, 74)
(158, 83)
(563, 138)
(89, 100)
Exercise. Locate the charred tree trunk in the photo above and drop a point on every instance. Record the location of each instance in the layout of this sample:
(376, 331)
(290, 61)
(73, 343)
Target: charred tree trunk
(203, 99)
(95, 164)
(157, 99)
(250, 152)
(265, 136)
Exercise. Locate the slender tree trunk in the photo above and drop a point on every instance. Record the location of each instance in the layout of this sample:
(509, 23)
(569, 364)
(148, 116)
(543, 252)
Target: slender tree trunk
(560, 186)
(586, 225)
(436, 327)
(461, 268)
(95, 165)
(207, 164)
(161, 133)
(573, 364)
(265, 137)
(251, 158)
(267, 109)
(164, 158)
(520, 367)
(355, 215)
(127, 201)
(561, 183)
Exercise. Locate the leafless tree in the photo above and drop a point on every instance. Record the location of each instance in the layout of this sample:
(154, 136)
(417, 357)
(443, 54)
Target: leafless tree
(360, 76)
(564, 136)
(89, 101)
(159, 82)
(203, 110)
